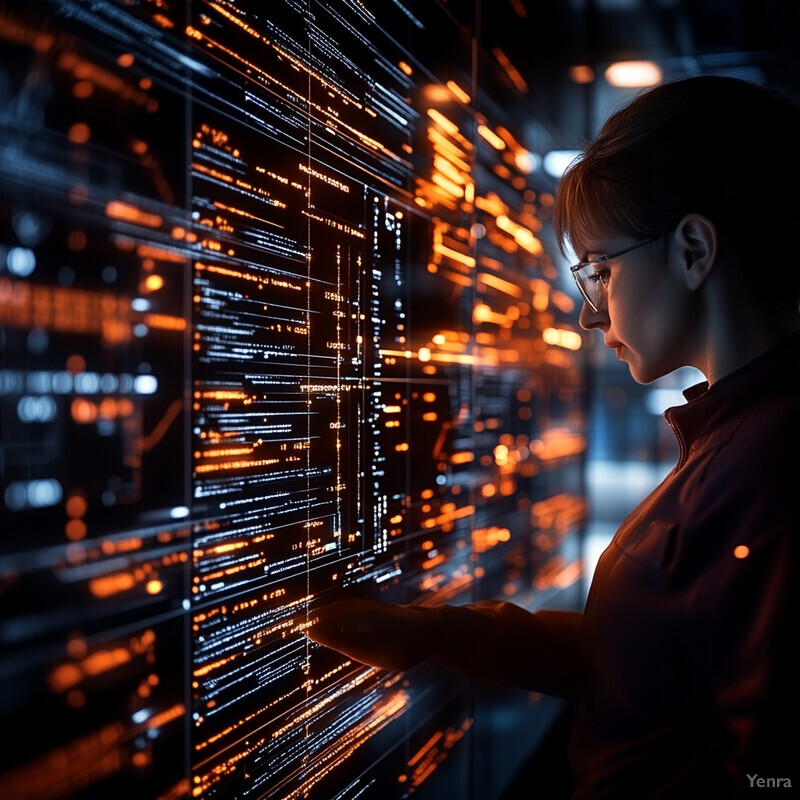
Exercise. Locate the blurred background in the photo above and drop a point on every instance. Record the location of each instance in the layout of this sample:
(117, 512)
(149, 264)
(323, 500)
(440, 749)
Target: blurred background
(282, 318)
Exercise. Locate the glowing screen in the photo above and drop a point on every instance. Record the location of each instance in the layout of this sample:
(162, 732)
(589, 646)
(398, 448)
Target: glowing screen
(278, 323)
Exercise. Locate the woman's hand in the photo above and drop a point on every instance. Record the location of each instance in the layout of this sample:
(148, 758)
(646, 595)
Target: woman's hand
(375, 633)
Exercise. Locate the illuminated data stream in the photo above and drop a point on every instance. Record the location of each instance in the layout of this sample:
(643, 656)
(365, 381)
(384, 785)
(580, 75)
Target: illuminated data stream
(278, 324)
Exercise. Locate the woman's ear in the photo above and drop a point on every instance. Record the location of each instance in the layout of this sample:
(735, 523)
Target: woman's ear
(695, 248)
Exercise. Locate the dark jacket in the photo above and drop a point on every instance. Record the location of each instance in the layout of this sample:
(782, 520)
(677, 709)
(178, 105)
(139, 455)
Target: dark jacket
(682, 668)
(689, 620)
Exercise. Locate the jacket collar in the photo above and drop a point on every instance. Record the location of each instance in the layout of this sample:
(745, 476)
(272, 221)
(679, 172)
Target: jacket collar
(708, 406)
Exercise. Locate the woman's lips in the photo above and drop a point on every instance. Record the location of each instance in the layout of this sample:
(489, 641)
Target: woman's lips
(617, 347)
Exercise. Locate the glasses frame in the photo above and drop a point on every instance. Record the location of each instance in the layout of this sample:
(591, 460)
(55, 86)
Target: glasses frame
(578, 268)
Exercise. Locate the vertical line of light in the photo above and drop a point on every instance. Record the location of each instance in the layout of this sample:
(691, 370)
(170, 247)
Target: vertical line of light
(308, 375)
(339, 358)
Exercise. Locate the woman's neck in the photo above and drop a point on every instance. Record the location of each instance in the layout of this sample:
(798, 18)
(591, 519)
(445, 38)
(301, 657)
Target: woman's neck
(733, 340)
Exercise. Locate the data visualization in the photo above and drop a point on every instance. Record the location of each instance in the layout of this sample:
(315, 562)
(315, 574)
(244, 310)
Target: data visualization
(280, 322)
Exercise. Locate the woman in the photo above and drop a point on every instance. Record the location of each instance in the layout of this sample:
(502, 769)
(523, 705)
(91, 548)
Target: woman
(680, 669)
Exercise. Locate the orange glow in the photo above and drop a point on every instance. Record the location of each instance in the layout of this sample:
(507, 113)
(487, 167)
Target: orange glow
(83, 411)
(68, 675)
(581, 73)
(153, 283)
(491, 204)
(558, 443)
(559, 575)
(563, 302)
(741, 551)
(112, 584)
(442, 121)
(522, 235)
(570, 340)
(455, 255)
(436, 93)
(309, 713)
(158, 433)
(222, 394)
(445, 147)
(163, 21)
(75, 530)
(458, 92)
(76, 364)
(513, 73)
(559, 513)
(424, 749)
(490, 136)
(434, 752)
(84, 761)
(447, 185)
(76, 241)
(79, 133)
(226, 452)
(449, 514)
(165, 322)
(76, 505)
(159, 254)
(64, 310)
(524, 162)
(484, 539)
(484, 313)
(235, 465)
(83, 89)
(434, 561)
(450, 170)
(214, 173)
(116, 209)
(500, 284)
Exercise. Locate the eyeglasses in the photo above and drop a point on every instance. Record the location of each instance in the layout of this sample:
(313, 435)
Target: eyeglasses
(592, 282)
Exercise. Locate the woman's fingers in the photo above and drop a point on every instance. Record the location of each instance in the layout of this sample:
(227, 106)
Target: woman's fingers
(375, 633)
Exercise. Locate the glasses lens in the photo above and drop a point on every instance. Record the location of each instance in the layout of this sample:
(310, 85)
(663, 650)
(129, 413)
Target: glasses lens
(590, 281)
(590, 286)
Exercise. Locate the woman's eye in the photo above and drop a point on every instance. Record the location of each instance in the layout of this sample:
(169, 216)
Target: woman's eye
(601, 275)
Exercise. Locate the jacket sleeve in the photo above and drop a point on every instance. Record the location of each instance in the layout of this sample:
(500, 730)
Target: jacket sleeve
(503, 643)
(493, 641)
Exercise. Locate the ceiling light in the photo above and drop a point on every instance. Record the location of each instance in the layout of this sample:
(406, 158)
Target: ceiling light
(633, 74)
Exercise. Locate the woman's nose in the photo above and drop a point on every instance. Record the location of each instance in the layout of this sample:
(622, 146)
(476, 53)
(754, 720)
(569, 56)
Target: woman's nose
(589, 319)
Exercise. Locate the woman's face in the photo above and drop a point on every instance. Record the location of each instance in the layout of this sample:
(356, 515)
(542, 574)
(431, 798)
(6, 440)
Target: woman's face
(646, 312)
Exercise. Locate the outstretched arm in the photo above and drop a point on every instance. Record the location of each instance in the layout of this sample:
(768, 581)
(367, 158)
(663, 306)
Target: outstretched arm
(494, 641)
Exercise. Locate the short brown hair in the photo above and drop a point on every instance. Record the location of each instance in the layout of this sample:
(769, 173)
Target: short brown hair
(718, 146)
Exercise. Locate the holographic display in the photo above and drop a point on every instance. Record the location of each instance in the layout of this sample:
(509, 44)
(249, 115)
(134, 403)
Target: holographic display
(278, 323)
